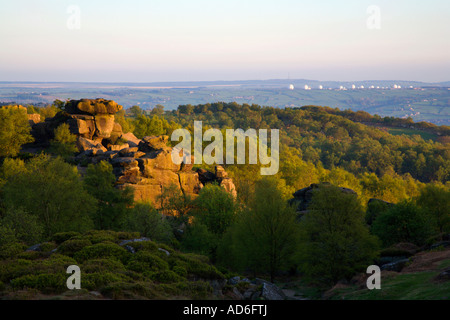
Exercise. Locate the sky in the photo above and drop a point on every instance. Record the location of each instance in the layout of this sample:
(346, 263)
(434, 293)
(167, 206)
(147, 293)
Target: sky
(206, 40)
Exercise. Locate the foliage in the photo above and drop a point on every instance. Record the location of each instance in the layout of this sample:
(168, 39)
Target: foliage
(51, 190)
(26, 227)
(63, 143)
(14, 130)
(143, 218)
(112, 202)
(404, 222)
(264, 237)
(335, 242)
(436, 200)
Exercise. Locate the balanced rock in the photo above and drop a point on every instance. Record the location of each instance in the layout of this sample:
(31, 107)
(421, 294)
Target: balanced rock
(92, 106)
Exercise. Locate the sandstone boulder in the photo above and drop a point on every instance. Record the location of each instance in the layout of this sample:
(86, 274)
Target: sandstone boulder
(92, 106)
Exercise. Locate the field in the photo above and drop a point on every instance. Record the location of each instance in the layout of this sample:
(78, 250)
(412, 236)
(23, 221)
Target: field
(422, 103)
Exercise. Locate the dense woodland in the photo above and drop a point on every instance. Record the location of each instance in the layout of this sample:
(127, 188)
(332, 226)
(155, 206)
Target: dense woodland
(257, 234)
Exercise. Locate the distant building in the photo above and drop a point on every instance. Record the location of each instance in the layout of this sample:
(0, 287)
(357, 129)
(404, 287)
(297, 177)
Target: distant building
(291, 87)
(320, 87)
(307, 87)
(353, 86)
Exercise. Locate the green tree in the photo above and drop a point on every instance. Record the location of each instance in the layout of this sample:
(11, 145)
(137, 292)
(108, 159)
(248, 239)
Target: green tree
(144, 219)
(264, 237)
(26, 227)
(111, 202)
(135, 111)
(14, 130)
(335, 241)
(436, 200)
(64, 142)
(404, 222)
(158, 110)
(52, 190)
(215, 208)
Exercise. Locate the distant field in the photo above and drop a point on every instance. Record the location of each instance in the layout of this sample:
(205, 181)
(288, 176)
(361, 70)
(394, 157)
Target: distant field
(421, 104)
(410, 132)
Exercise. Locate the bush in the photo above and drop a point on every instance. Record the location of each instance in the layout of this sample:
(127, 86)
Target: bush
(144, 219)
(166, 276)
(70, 247)
(10, 269)
(98, 236)
(27, 227)
(146, 261)
(394, 252)
(198, 267)
(97, 280)
(102, 250)
(405, 222)
(102, 265)
(60, 237)
(47, 283)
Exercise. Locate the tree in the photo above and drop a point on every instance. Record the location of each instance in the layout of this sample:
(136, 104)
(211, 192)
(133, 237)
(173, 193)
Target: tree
(64, 142)
(264, 237)
(14, 130)
(52, 190)
(215, 208)
(334, 239)
(26, 227)
(158, 110)
(112, 202)
(404, 222)
(144, 219)
(135, 111)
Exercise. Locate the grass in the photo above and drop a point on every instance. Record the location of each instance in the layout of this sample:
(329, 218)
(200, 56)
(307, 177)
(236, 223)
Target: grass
(408, 286)
(409, 132)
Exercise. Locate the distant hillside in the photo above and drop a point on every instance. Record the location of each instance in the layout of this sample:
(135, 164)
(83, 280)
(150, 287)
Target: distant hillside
(419, 100)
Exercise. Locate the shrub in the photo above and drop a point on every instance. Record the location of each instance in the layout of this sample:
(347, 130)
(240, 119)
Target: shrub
(144, 246)
(394, 252)
(97, 280)
(197, 266)
(102, 265)
(146, 261)
(70, 247)
(10, 269)
(405, 222)
(102, 250)
(166, 276)
(97, 236)
(60, 237)
(47, 283)
(181, 271)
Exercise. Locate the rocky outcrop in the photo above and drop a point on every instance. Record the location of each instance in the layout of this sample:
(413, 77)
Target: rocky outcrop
(302, 198)
(220, 177)
(145, 165)
(149, 168)
(90, 119)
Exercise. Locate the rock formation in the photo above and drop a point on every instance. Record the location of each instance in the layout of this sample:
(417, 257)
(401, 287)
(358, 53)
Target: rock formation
(302, 198)
(145, 165)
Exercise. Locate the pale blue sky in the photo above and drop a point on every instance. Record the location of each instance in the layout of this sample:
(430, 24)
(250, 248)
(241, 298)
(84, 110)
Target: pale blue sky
(178, 40)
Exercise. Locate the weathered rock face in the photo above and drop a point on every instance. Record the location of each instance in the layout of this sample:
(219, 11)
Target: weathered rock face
(302, 198)
(91, 119)
(149, 169)
(92, 106)
(145, 165)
